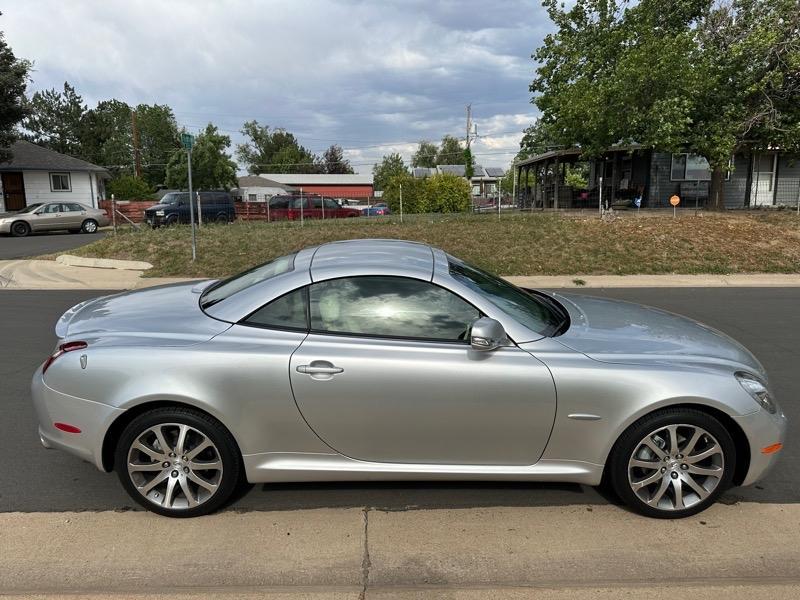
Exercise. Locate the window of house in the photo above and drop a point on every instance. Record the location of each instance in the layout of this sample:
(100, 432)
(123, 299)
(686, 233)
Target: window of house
(689, 167)
(251, 197)
(60, 182)
(394, 307)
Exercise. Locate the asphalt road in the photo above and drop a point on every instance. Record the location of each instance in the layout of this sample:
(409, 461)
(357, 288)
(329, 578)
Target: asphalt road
(767, 320)
(38, 244)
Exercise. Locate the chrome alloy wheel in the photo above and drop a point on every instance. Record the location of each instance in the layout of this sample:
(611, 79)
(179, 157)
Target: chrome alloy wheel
(175, 466)
(675, 467)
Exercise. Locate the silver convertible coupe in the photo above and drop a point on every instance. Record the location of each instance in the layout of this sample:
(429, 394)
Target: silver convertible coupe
(391, 360)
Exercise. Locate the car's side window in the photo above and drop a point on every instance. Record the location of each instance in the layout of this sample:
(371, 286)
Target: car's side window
(394, 307)
(287, 312)
(52, 208)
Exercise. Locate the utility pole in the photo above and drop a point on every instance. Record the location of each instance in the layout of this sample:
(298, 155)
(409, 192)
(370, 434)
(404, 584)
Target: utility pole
(469, 124)
(137, 159)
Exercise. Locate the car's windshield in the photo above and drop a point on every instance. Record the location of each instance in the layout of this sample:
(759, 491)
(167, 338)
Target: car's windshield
(30, 208)
(237, 283)
(534, 313)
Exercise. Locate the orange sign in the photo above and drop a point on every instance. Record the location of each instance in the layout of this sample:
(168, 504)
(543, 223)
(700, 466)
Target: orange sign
(675, 200)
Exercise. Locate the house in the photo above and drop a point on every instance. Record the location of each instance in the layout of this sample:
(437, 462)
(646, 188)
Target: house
(769, 178)
(255, 188)
(335, 186)
(484, 181)
(35, 174)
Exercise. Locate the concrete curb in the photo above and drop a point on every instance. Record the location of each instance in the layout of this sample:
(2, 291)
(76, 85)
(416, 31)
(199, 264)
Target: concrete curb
(649, 281)
(103, 263)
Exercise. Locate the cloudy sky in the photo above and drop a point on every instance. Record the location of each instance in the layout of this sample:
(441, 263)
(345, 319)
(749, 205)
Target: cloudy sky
(373, 76)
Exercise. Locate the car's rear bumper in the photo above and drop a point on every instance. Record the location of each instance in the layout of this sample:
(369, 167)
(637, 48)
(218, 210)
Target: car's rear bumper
(763, 431)
(92, 418)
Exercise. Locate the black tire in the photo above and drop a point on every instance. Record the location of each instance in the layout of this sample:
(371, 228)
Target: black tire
(89, 226)
(630, 441)
(20, 229)
(171, 220)
(222, 218)
(224, 445)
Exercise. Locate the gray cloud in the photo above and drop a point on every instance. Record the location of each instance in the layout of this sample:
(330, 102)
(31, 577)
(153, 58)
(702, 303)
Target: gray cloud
(358, 73)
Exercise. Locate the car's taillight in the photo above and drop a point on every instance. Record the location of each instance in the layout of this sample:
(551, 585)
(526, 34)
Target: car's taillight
(62, 349)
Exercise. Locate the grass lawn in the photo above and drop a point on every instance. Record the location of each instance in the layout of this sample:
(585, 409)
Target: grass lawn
(516, 244)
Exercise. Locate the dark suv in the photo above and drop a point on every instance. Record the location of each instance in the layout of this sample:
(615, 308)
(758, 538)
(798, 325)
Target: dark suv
(174, 208)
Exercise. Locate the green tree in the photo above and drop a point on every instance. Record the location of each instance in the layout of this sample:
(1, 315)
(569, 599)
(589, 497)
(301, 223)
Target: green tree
(469, 164)
(425, 156)
(106, 137)
(54, 120)
(447, 193)
(129, 187)
(212, 168)
(274, 151)
(334, 162)
(706, 77)
(390, 166)
(13, 80)
(158, 139)
(451, 152)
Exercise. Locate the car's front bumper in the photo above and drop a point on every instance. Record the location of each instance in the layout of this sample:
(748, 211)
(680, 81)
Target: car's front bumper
(5, 227)
(92, 418)
(763, 431)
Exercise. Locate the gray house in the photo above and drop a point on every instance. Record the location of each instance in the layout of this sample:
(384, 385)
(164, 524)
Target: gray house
(626, 172)
(36, 174)
(484, 180)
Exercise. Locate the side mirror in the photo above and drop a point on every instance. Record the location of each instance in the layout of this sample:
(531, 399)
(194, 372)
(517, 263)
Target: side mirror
(487, 334)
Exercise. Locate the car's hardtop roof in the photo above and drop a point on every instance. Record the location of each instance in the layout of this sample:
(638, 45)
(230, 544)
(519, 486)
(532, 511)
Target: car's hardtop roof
(368, 257)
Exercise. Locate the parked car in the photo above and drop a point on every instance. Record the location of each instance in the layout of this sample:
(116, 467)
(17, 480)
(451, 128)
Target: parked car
(293, 208)
(53, 216)
(390, 360)
(379, 209)
(174, 208)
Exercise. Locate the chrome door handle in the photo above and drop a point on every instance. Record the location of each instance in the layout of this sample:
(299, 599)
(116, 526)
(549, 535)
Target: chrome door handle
(318, 370)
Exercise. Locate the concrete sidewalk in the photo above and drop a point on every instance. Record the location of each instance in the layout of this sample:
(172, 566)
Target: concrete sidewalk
(67, 275)
(741, 551)
(53, 275)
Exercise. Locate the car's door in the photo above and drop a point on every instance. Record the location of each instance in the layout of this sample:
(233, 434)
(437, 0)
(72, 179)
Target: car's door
(386, 374)
(73, 214)
(48, 217)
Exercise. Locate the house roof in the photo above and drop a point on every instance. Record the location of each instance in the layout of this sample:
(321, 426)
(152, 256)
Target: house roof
(420, 172)
(26, 156)
(299, 179)
(259, 181)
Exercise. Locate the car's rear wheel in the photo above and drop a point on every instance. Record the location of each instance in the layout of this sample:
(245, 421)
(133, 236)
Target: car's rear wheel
(89, 226)
(222, 218)
(20, 229)
(673, 463)
(178, 462)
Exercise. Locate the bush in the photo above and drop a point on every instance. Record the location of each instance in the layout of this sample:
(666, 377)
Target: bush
(128, 187)
(448, 193)
(445, 193)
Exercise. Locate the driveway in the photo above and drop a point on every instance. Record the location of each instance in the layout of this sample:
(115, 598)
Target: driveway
(44, 243)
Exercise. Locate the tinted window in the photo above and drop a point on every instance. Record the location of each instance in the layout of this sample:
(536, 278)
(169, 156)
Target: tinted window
(330, 204)
(237, 283)
(298, 202)
(287, 312)
(279, 202)
(525, 308)
(72, 207)
(316, 202)
(390, 307)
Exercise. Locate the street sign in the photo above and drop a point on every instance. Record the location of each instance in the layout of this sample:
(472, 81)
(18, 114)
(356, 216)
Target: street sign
(187, 140)
(675, 200)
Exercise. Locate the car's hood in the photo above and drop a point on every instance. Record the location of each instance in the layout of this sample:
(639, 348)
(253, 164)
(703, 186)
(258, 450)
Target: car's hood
(616, 331)
(4, 215)
(156, 207)
(165, 315)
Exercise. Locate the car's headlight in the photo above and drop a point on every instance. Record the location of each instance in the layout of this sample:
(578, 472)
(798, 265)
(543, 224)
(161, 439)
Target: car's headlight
(159, 213)
(759, 392)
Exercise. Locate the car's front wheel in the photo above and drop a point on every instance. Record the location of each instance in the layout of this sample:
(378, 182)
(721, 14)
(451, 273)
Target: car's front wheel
(20, 229)
(89, 226)
(178, 462)
(672, 463)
